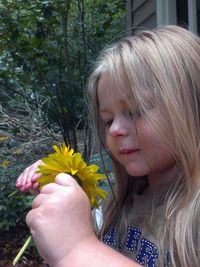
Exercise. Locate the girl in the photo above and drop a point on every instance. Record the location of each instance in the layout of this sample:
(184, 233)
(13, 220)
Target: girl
(144, 95)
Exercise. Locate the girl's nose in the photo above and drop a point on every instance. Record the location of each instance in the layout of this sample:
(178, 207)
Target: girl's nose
(118, 128)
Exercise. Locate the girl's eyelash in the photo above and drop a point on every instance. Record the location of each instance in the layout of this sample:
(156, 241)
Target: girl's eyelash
(108, 123)
(136, 114)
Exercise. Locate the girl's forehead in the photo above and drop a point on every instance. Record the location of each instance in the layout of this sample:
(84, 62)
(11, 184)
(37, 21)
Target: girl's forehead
(111, 88)
(113, 84)
(108, 89)
(105, 80)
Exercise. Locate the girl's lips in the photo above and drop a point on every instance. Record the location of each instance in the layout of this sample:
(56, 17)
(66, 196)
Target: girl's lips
(126, 151)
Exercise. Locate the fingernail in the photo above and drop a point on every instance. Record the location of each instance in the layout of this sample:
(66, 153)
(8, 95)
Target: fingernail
(35, 185)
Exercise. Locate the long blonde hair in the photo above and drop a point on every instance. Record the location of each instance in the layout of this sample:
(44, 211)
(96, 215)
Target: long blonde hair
(166, 63)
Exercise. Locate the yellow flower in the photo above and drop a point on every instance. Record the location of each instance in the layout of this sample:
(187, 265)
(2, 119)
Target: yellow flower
(64, 160)
(5, 163)
(4, 137)
(63, 150)
(17, 152)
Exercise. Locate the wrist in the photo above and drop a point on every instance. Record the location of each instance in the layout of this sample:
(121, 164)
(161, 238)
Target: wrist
(79, 255)
(93, 253)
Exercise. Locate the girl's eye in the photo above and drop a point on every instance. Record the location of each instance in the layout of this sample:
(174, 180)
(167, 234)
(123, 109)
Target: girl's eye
(130, 114)
(108, 123)
(136, 114)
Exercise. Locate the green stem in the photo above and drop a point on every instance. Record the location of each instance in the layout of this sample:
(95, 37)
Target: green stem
(17, 258)
(13, 193)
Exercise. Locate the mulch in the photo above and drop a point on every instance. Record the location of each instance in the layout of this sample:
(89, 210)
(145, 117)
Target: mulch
(11, 242)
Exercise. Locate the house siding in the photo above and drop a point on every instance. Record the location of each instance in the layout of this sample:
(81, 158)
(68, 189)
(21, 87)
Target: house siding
(198, 17)
(146, 14)
(141, 14)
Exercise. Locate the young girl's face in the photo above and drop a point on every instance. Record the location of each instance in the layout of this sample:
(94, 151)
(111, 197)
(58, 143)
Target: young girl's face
(139, 151)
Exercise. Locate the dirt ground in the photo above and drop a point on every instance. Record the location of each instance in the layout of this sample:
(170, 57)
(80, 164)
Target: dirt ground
(11, 242)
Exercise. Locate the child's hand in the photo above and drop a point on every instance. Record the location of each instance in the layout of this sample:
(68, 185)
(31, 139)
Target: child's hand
(27, 179)
(61, 226)
(60, 219)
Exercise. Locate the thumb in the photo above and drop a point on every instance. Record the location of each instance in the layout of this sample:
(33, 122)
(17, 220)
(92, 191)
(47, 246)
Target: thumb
(65, 179)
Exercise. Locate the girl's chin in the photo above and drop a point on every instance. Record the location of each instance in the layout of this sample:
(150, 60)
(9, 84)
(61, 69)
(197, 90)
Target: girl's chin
(136, 172)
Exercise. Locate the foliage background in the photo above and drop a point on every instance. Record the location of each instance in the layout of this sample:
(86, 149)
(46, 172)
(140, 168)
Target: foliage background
(46, 52)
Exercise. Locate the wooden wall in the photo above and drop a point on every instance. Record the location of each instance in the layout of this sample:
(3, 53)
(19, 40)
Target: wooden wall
(141, 14)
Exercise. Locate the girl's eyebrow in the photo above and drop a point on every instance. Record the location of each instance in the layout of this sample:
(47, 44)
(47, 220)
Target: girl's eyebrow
(104, 110)
(122, 102)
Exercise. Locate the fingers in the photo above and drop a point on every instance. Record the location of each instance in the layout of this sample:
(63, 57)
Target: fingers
(29, 217)
(26, 180)
(63, 200)
(61, 180)
(44, 194)
(34, 190)
(22, 179)
(35, 176)
(32, 216)
(35, 185)
(38, 200)
(65, 180)
(49, 188)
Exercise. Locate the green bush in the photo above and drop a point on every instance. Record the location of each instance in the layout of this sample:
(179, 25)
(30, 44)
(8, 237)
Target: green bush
(13, 207)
